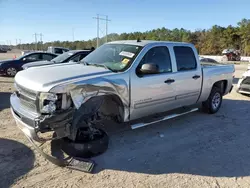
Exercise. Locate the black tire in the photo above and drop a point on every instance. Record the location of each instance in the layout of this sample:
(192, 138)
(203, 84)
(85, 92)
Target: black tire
(214, 101)
(86, 149)
(11, 71)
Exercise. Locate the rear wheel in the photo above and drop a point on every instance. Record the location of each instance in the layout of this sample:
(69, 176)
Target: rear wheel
(213, 103)
(11, 71)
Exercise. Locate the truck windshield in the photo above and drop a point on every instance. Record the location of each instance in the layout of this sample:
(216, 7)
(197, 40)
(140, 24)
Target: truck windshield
(62, 57)
(116, 57)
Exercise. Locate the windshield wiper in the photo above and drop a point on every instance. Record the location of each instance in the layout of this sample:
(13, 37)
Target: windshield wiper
(98, 65)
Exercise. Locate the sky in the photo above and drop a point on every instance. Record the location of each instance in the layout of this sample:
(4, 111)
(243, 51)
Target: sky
(59, 19)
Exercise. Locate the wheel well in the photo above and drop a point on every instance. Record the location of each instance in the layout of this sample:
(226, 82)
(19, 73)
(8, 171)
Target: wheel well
(222, 85)
(112, 105)
(96, 110)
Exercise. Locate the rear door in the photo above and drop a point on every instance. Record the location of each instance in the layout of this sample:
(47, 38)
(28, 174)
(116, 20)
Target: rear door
(189, 77)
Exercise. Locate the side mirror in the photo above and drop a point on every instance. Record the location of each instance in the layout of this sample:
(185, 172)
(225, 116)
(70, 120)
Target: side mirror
(149, 68)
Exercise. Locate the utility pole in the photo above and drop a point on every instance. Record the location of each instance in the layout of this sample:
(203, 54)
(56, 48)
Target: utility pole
(107, 29)
(20, 43)
(97, 38)
(16, 43)
(36, 39)
(73, 34)
(98, 18)
(41, 40)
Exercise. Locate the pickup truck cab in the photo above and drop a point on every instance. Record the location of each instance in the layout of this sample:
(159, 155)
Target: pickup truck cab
(123, 82)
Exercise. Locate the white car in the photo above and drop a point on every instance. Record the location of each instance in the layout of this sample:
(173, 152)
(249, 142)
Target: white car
(243, 85)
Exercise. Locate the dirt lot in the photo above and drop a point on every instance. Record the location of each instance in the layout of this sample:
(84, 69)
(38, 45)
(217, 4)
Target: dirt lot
(10, 54)
(193, 151)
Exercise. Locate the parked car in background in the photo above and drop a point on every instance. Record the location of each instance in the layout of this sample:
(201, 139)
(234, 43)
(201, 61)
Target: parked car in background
(128, 83)
(4, 49)
(243, 85)
(57, 50)
(11, 67)
(208, 60)
(70, 56)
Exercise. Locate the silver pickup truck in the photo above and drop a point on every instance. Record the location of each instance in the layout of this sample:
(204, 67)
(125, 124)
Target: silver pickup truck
(132, 83)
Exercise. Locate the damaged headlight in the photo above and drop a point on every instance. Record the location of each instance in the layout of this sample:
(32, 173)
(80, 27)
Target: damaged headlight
(50, 102)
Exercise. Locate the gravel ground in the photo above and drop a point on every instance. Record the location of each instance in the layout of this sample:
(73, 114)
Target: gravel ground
(193, 151)
(10, 54)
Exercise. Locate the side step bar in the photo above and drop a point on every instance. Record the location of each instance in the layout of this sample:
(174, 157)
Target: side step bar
(139, 125)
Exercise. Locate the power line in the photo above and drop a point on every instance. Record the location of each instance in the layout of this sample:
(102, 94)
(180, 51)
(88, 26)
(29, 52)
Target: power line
(98, 18)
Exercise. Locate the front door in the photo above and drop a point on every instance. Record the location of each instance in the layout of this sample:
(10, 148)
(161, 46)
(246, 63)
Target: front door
(153, 93)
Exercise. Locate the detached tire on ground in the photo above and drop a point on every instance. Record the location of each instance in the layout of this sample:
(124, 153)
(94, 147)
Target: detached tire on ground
(213, 103)
(86, 148)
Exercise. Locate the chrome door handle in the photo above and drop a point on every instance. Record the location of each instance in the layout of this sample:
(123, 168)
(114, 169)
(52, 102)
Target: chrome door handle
(169, 81)
(196, 77)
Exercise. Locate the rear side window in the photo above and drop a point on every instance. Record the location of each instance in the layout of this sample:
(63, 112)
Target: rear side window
(185, 58)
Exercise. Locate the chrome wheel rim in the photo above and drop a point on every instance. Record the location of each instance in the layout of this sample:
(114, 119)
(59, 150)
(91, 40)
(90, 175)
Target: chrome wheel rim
(11, 71)
(216, 101)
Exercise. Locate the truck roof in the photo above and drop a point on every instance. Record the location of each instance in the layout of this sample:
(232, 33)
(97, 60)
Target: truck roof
(145, 42)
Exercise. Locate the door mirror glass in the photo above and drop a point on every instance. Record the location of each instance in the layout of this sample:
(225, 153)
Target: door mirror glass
(149, 68)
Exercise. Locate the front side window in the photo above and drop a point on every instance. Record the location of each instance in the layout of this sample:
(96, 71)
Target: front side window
(185, 58)
(33, 57)
(159, 56)
(116, 57)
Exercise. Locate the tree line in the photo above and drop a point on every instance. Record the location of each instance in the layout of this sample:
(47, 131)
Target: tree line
(207, 41)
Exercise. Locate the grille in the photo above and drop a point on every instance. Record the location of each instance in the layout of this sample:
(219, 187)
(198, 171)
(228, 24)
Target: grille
(28, 105)
(25, 92)
(27, 98)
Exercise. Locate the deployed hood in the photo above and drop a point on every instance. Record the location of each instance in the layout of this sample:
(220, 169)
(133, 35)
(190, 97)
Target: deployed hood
(45, 77)
(37, 63)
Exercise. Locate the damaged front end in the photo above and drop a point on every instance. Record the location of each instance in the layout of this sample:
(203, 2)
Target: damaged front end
(36, 127)
(42, 112)
(67, 110)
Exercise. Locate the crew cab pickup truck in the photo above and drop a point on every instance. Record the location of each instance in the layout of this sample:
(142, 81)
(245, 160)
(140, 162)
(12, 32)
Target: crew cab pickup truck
(132, 83)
